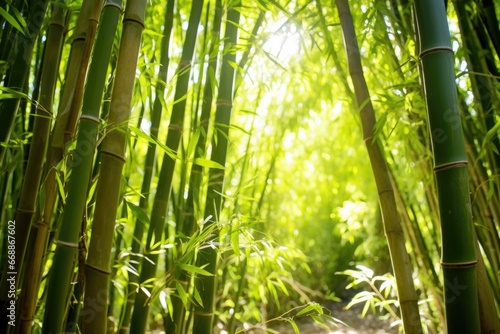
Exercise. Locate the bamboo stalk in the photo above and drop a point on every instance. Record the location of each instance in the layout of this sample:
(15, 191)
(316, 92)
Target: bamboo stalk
(50, 69)
(17, 80)
(94, 315)
(137, 240)
(39, 233)
(160, 204)
(207, 255)
(67, 245)
(392, 225)
(458, 257)
(18, 73)
(187, 223)
(76, 101)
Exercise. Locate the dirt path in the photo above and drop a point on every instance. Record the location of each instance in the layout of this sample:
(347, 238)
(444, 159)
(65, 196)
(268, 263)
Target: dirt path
(355, 324)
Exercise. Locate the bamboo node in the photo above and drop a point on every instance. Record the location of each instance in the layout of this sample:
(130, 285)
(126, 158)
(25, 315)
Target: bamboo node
(459, 265)
(99, 270)
(25, 212)
(132, 19)
(91, 118)
(451, 165)
(367, 139)
(113, 154)
(67, 244)
(112, 4)
(224, 103)
(184, 63)
(435, 49)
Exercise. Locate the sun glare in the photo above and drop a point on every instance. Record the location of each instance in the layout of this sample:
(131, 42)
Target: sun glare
(284, 42)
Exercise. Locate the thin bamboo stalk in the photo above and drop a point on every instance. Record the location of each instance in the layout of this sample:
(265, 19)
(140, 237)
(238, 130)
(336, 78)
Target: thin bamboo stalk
(207, 255)
(137, 240)
(76, 101)
(193, 199)
(488, 14)
(159, 210)
(8, 111)
(50, 70)
(18, 72)
(458, 257)
(187, 223)
(392, 225)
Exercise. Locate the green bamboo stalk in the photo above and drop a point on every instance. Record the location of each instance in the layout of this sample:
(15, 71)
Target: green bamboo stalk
(458, 257)
(488, 14)
(488, 316)
(18, 73)
(245, 57)
(483, 88)
(193, 199)
(149, 162)
(94, 315)
(39, 233)
(67, 245)
(50, 70)
(392, 225)
(191, 209)
(9, 34)
(33, 174)
(72, 320)
(207, 255)
(159, 211)
(427, 272)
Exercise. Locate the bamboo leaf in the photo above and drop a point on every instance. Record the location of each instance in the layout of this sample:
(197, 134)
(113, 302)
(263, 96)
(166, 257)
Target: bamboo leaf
(9, 93)
(207, 163)
(197, 297)
(182, 293)
(294, 325)
(490, 134)
(138, 212)
(193, 269)
(320, 320)
(310, 308)
(13, 22)
(491, 190)
(235, 243)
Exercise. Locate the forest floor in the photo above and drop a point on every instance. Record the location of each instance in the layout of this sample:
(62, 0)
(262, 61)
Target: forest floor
(354, 324)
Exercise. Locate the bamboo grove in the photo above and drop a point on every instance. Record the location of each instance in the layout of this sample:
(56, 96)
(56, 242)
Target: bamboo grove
(230, 165)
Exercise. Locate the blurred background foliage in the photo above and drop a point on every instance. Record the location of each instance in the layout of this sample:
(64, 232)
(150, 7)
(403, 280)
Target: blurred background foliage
(300, 219)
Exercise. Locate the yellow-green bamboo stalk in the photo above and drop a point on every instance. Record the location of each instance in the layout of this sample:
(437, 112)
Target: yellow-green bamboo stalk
(67, 245)
(50, 70)
(18, 75)
(458, 257)
(39, 233)
(407, 296)
(98, 266)
(137, 240)
(76, 101)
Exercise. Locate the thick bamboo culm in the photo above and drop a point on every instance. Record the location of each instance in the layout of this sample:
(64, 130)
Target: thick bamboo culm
(458, 256)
